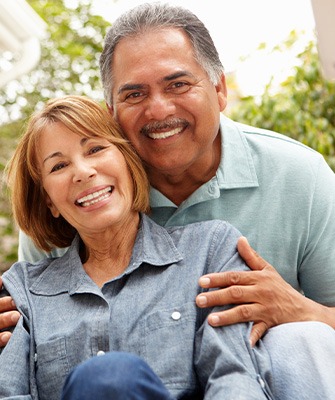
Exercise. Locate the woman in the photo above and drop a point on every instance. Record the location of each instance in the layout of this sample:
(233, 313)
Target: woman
(121, 285)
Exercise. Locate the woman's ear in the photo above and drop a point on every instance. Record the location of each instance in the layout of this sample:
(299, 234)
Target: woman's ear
(53, 209)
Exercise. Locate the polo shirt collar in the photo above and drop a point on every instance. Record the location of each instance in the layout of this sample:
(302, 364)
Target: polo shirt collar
(236, 169)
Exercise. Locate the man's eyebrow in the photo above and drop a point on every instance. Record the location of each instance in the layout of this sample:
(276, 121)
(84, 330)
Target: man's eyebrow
(168, 78)
(130, 86)
(177, 75)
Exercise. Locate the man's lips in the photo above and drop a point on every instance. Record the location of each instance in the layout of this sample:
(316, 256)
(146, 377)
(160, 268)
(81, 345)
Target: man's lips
(164, 135)
(164, 129)
(94, 197)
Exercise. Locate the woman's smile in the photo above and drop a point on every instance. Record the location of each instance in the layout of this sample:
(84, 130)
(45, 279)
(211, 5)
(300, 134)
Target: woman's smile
(95, 197)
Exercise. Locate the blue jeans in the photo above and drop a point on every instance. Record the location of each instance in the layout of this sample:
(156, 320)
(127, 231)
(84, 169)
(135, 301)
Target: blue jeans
(98, 378)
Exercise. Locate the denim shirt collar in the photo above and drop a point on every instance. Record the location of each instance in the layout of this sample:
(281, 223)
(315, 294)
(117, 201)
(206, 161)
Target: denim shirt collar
(153, 245)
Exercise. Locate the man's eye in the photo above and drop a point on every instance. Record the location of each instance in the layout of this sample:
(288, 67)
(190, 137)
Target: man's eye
(179, 87)
(134, 97)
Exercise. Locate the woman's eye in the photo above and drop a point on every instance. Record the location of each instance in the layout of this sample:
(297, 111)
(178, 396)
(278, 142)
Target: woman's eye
(58, 167)
(96, 149)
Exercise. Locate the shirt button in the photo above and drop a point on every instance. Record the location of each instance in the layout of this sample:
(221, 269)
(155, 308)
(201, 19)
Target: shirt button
(100, 353)
(176, 315)
(261, 382)
(211, 189)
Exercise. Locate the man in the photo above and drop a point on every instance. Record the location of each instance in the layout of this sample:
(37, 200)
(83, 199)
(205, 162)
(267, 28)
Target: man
(166, 87)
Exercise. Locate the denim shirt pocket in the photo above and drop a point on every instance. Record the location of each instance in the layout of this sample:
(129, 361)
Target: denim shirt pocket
(168, 337)
(52, 367)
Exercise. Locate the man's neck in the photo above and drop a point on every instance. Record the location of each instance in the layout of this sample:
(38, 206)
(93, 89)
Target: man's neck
(177, 186)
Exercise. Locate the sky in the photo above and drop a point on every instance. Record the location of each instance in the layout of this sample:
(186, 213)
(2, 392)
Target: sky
(238, 28)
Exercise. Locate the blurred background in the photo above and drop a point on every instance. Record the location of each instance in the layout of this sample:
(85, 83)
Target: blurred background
(279, 58)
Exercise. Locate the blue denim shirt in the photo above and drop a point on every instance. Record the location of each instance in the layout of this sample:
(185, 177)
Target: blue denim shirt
(149, 310)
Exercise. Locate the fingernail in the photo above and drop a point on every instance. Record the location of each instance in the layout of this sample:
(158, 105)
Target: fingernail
(13, 303)
(204, 282)
(15, 317)
(202, 300)
(5, 337)
(214, 319)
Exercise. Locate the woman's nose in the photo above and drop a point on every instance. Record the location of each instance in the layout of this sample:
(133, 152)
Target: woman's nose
(83, 172)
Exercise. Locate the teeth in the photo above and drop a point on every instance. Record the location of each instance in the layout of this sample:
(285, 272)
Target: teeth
(93, 198)
(164, 135)
(89, 203)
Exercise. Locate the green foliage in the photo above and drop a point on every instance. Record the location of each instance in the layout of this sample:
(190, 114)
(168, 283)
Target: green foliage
(69, 64)
(8, 231)
(69, 61)
(303, 107)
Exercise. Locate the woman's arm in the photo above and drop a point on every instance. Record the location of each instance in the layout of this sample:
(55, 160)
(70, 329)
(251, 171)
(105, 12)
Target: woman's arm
(228, 367)
(226, 364)
(14, 361)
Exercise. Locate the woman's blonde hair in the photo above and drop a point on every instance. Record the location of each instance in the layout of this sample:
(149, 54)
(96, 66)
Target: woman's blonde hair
(84, 117)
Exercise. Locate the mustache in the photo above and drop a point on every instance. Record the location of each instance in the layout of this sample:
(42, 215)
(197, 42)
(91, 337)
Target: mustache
(168, 124)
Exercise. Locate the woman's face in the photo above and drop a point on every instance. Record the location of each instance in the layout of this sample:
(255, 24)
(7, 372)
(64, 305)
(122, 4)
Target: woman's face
(86, 180)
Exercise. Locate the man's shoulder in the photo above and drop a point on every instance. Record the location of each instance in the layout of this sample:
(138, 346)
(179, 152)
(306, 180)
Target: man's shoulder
(279, 142)
(204, 230)
(29, 252)
(268, 146)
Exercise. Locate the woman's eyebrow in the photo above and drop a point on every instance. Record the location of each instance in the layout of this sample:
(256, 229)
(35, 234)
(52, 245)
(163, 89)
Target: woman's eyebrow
(55, 154)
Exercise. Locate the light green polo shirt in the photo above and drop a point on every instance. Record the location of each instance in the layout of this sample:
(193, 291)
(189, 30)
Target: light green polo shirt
(279, 193)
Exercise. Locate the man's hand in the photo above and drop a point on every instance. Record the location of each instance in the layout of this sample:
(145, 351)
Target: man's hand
(8, 317)
(260, 295)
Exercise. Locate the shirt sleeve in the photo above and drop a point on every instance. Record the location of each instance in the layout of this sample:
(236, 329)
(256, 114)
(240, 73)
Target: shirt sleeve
(228, 367)
(317, 269)
(15, 365)
(226, 364)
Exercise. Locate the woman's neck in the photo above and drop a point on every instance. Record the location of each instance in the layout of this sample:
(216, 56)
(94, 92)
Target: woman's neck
(107, 255)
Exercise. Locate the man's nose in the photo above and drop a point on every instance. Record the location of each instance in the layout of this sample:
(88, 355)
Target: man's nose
(159, 107)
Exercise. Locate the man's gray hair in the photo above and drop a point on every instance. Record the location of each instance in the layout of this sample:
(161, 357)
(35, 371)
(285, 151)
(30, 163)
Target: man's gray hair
(152, 16)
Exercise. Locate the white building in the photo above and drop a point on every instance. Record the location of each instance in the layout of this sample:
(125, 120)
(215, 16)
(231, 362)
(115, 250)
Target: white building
(21, 29)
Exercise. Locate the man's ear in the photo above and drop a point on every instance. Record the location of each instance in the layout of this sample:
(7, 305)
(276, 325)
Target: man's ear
(221, 89)
(110, 109)
(53, 209)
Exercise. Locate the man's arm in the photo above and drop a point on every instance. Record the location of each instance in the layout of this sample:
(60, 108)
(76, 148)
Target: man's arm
(264, 297)
(8, 316)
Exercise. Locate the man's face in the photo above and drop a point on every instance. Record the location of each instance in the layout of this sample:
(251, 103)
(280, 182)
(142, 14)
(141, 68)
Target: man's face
(164, 101)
